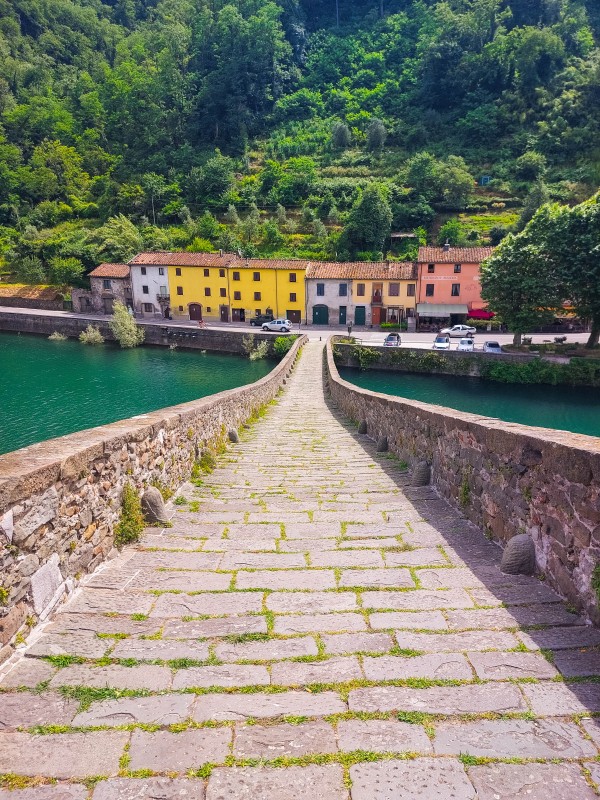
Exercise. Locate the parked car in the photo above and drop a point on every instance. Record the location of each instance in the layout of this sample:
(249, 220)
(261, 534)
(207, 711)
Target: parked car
(392, 340)
(441, 343)
(468, 345)
(459, 330)
(278, 325)
(492, 347)
(260, 319)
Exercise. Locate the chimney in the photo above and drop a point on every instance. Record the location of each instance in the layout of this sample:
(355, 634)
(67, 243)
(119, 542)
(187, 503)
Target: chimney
(220, 254)
(446, 247)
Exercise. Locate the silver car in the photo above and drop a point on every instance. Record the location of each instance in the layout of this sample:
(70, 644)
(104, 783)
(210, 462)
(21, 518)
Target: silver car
(459, 331)
(278, 325)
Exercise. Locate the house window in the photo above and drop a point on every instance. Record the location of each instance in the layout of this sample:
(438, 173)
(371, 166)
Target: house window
(237, 295)
(410, 290)
(257, 312)
(178, 271)
(208, 309)
(257, 296)
(431, 268)
(429, 289)
(148, 308)
(360, 290)
(456, 290)
(256, 276)
(181, 308)
(292, 297)
(207, 273)
(145, 290)
(343, 290)
(221, 273)
(236, 276)
(143, 270)
(161, 270)
(457, 269)
(223, 292)
(163, 291)
(207, 291)
(320, 290)
(106, 284)
(180, 290)
(292, 277)
(394, 290)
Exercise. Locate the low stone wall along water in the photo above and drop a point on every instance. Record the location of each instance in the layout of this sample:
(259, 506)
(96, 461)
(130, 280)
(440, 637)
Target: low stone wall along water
(505, 477)
(61, 499)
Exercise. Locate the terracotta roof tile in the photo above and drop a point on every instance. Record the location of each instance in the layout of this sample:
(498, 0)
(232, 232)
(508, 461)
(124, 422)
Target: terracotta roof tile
(110, 271)
(363, 270)
(162, 259)
(455, 255)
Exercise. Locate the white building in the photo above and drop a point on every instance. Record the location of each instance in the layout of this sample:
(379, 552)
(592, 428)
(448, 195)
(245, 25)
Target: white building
(150, 287)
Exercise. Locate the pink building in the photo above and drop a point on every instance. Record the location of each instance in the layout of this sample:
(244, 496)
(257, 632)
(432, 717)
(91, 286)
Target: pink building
(449, 283)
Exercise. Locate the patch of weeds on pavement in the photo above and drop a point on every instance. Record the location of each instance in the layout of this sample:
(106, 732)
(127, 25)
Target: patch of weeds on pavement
(64, 660)
(86, 695)
(10, 781)
(139, 617)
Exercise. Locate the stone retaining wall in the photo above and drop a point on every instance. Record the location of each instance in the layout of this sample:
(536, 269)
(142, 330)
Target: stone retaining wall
(60, 499)
(217, 340)
(506, 478)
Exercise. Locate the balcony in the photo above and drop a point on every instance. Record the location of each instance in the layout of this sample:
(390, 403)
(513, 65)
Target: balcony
(377, 300)
(163, 298)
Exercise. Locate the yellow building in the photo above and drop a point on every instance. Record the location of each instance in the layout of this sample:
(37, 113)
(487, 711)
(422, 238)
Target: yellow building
(225, 287)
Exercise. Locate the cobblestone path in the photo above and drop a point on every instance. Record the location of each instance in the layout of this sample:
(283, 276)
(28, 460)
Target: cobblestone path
(310, 626)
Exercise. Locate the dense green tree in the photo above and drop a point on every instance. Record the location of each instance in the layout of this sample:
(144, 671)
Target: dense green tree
(370, 219)
(119, 239)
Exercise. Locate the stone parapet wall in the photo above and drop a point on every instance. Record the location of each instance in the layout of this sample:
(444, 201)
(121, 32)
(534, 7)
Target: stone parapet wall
(31, 302)
(217, 340)
(506, 478)
(60, 499)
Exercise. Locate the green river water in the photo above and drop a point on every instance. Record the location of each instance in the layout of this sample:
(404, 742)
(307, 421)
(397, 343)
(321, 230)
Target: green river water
(50, 389)
(566, 408)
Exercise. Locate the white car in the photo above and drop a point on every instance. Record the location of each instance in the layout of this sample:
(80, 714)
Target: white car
(278, 325)
(459, 330)
(492, 347)
(441, 343)
(468, 345)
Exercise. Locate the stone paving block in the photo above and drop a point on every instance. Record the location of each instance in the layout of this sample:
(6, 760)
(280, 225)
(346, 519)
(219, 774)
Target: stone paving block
(104, 600)
(161, 650)
(54, 644)
(594, 770)
(530, 782)
(419, 600)
(423, 620)
(150, 789)
(421, 557)
(447, 700)
(421, 779)
(500, 666)
(27, 673)
(101, 623)
(115, 676)
(163, 751)
(272, 741)
(156, 541)
(373, 578)
(270, 650)
(314, 623)
(182, 581)
(225, 675)
(428, 537)
(373, 544)
(436, 666)
(64, 755)
(208, 628)
(377, 529)
(307, 602)
(515, 738)
(513, 617)
(451, 578)
(62, 791)
(332, 670)
(456, 642)
(382, 736)
(592, 728)
(311, 530)
(357, 642)
(240, 545)
(209, 604)
(261, 783)
(306, 545)
(577, 663)
(286, 516)
(556, 699)
(221, 707)
(247, 532)
(515, 595)
(165, 709)
(314, 580)
(170, 560)
(26, 710)
(347, 558)
(561, 638)
(235, 561)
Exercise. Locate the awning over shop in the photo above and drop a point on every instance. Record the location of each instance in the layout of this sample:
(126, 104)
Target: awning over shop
(440, 309)
(481, 313)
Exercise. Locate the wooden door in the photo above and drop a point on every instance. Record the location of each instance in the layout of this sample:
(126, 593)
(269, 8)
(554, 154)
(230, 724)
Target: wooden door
(376, 315)
(195, 311)
(360, 315)
(224, 313)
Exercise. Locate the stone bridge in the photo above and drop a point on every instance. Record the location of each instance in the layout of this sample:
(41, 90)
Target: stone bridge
(309, 625)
